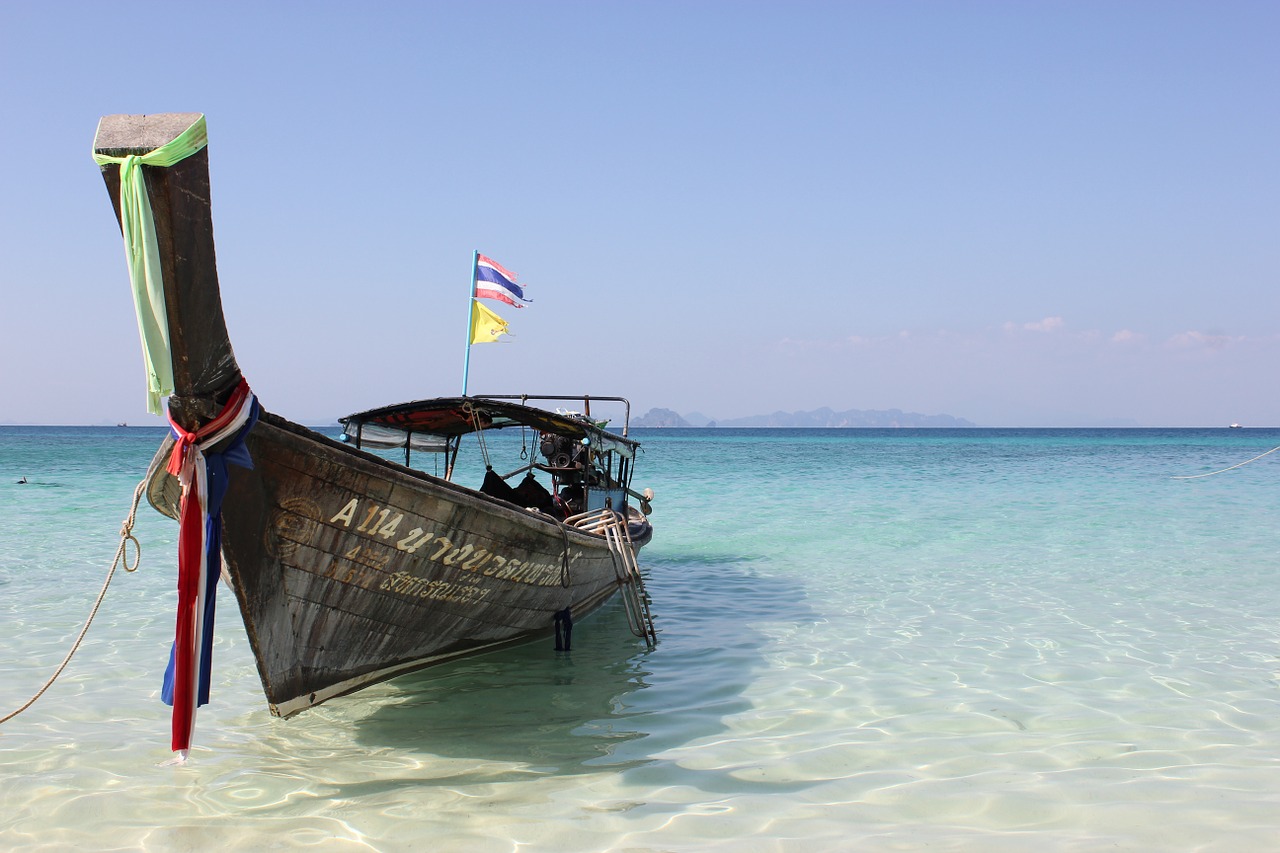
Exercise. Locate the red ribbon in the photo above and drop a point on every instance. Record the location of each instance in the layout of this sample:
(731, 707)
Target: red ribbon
(192, 522)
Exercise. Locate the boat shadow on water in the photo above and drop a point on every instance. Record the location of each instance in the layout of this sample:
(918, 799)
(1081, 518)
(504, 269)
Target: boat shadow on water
(610, 704)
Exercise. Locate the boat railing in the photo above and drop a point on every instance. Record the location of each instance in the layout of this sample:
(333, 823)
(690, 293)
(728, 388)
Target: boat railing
(585, 399)
(594, 520)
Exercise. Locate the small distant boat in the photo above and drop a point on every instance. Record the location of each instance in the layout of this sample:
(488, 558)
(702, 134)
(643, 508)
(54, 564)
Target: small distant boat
(349, 568)
(1236, 426)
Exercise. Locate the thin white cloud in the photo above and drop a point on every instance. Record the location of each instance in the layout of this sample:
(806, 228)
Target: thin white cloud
(1200, 340)
(1048, 324)
(1190, 340)
(1128, 336)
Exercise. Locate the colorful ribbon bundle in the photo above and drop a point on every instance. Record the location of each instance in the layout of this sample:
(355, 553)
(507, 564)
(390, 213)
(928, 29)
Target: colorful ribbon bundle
(203, 476)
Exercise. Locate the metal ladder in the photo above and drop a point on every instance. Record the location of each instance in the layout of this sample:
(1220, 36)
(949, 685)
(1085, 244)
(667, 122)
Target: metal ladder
(617, 534)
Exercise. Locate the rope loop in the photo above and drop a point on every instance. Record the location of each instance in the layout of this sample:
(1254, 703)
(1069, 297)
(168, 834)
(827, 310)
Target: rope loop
(126, 533)
(126, 537)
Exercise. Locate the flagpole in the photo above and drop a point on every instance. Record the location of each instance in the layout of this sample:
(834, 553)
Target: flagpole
(471, 318)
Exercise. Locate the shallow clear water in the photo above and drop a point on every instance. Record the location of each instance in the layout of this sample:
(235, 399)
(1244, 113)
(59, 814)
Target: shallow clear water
(875, 640)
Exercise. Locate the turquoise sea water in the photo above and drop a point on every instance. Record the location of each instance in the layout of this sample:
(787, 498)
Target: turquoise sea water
(988, 640)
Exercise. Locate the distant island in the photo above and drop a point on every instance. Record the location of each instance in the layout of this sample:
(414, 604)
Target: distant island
(823, 417)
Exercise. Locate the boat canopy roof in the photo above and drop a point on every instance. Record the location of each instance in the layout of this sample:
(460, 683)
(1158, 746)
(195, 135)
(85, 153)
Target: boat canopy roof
(427, 424)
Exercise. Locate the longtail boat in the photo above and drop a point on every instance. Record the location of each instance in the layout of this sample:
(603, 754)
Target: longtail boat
(350, 566)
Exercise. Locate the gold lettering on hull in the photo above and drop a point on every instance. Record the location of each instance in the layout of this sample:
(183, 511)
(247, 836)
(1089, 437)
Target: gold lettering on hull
(388, 530)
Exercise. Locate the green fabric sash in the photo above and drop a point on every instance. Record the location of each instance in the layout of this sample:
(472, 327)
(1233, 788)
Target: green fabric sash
(143, 255)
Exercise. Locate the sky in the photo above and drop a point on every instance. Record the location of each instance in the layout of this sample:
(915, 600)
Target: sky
(1018, 213)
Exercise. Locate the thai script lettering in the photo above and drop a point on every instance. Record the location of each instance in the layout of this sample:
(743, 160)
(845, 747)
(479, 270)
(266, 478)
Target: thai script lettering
(446, 547)
(413, 586)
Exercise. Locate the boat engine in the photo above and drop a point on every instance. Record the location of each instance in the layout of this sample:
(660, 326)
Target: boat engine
(561, 451)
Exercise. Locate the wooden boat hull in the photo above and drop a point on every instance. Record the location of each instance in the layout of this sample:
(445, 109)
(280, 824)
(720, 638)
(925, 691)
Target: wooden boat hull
(350, 570)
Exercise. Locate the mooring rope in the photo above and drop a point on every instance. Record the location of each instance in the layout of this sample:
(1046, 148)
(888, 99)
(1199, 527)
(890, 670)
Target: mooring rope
(126, 536)
(1225, 470)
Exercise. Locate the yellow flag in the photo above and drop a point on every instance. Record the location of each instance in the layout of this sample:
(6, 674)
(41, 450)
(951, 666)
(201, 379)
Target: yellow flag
(486, 326)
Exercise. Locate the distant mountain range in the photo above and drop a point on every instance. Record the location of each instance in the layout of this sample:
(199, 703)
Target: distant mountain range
(823, 417)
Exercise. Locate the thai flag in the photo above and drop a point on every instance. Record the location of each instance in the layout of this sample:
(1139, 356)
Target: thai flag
(493, 281)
